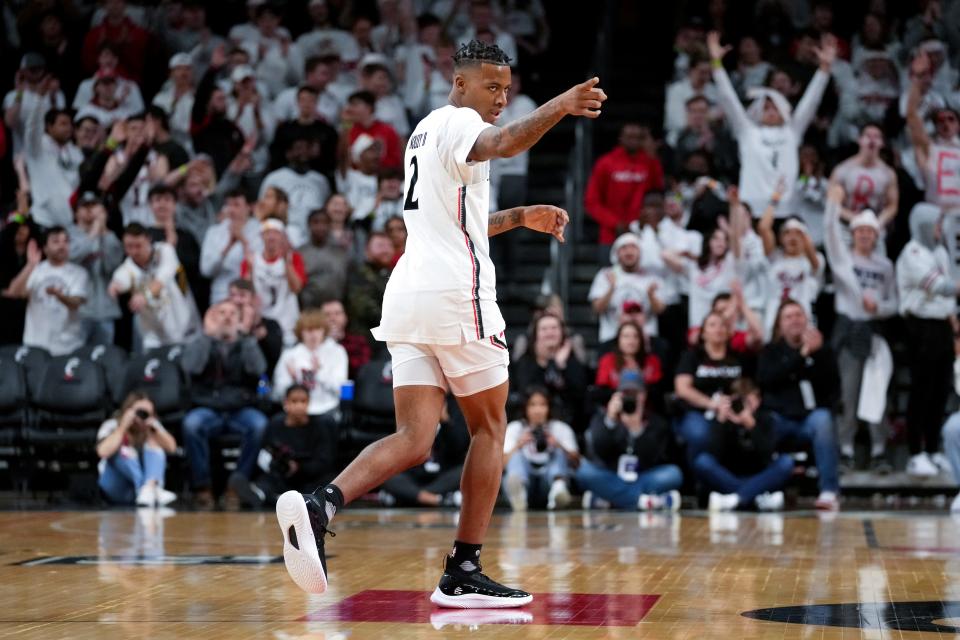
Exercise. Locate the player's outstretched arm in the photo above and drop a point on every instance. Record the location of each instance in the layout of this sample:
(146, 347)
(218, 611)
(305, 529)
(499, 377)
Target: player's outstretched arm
(583, 99)
(545, 218)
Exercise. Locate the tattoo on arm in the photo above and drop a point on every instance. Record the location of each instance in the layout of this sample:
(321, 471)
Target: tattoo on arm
(504, 221)
(517, 136)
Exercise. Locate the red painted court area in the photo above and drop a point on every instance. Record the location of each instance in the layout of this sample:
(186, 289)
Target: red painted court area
(574, 609)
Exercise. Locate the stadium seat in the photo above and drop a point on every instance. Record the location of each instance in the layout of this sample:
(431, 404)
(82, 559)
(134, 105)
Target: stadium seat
(113, 361)
(70, 401)
(373, 408)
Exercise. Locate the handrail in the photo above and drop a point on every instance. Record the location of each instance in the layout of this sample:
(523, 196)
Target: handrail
(557, 277)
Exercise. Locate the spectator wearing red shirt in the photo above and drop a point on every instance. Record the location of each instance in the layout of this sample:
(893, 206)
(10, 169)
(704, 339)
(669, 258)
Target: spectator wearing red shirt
(630, 353)
(360, 111)
(619, 180)
(130, 40)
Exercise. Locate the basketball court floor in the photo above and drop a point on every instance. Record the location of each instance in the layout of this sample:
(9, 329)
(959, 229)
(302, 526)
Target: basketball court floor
(126, 574)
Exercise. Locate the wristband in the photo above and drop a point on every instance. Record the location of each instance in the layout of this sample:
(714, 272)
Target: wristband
(182, 169)
(111, 144)
(716, 63)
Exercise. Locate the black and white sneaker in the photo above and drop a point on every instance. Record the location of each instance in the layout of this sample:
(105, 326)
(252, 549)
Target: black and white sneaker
(303, 522)
(461, 590)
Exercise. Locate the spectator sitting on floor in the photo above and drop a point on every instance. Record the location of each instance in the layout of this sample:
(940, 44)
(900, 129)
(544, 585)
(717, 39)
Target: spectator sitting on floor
(356, 345)
(539, 454)
(798, 375)
(738, 466)
(55, 290)
(298, 453)
(435, 483)
(133, 447)
(224, 367)
(628, 453)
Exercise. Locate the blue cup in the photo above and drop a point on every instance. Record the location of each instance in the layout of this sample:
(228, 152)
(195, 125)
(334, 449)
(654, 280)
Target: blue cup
(346, 390)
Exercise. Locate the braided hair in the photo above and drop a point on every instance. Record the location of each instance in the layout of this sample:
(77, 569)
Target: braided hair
(476, 53)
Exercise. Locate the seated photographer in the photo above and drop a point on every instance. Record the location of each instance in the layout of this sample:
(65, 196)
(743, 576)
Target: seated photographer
(738, 466)
(628, 448)
(133, 448)
(538, 452)
(435, 483)
(299, 453)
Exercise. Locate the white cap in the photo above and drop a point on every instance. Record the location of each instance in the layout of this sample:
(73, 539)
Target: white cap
(363, 142)
(621, 241)
(865, 218)
(180, 60)
(241, 73)
(377, 59)
(792, 224)
(272, 224)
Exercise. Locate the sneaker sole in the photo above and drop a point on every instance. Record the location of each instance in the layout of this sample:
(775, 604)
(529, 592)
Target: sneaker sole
(476, 601)
(303, 564)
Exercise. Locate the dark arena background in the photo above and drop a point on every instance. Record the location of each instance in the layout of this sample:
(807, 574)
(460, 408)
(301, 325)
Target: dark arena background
(732, 408)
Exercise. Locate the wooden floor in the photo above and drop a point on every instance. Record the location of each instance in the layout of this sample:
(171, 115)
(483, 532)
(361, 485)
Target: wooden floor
(595, 575)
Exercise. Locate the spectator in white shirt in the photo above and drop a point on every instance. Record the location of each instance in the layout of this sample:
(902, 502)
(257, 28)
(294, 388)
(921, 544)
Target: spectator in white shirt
(306, 189)
(325, 36)
(55, 290)
(160, 298)
(227, 242)
(253, 116)
(376, 76)
(697, 83)
(33, 89)
(625, 281)
(928, 300)
(128, 94)
(360, 185)
(318, 72)
(53, 163)
(752, 69)
(481, 22)
(107, 104)
(317, 362)
(176, 98)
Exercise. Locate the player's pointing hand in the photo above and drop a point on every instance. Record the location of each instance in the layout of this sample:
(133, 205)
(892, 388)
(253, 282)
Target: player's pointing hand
(584, 99)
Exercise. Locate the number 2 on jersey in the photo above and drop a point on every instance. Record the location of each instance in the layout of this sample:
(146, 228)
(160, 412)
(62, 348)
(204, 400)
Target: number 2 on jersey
(411, 202)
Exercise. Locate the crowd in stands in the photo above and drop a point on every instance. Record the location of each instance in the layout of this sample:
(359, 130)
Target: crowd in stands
(766, 256)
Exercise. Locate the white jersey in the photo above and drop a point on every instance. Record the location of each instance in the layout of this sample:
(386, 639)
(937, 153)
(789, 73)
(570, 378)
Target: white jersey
(443, 290)
(135, 204)
(943, 177)
(273, 287)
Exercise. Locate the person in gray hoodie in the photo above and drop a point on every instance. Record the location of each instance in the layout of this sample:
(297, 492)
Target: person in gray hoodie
(927, 303)
(95, 248)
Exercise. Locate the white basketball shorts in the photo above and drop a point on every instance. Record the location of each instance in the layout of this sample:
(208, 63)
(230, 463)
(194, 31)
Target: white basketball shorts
(464, 369)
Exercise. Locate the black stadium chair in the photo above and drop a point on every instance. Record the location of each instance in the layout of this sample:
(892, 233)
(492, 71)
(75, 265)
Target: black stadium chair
(372, 414)
(113, 361)
(31, 361)
(13, 410)
(70, 400)
(160, 378)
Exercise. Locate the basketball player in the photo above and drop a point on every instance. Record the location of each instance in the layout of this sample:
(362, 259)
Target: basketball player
(937, 159)
(441, 322)
(868, 182)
